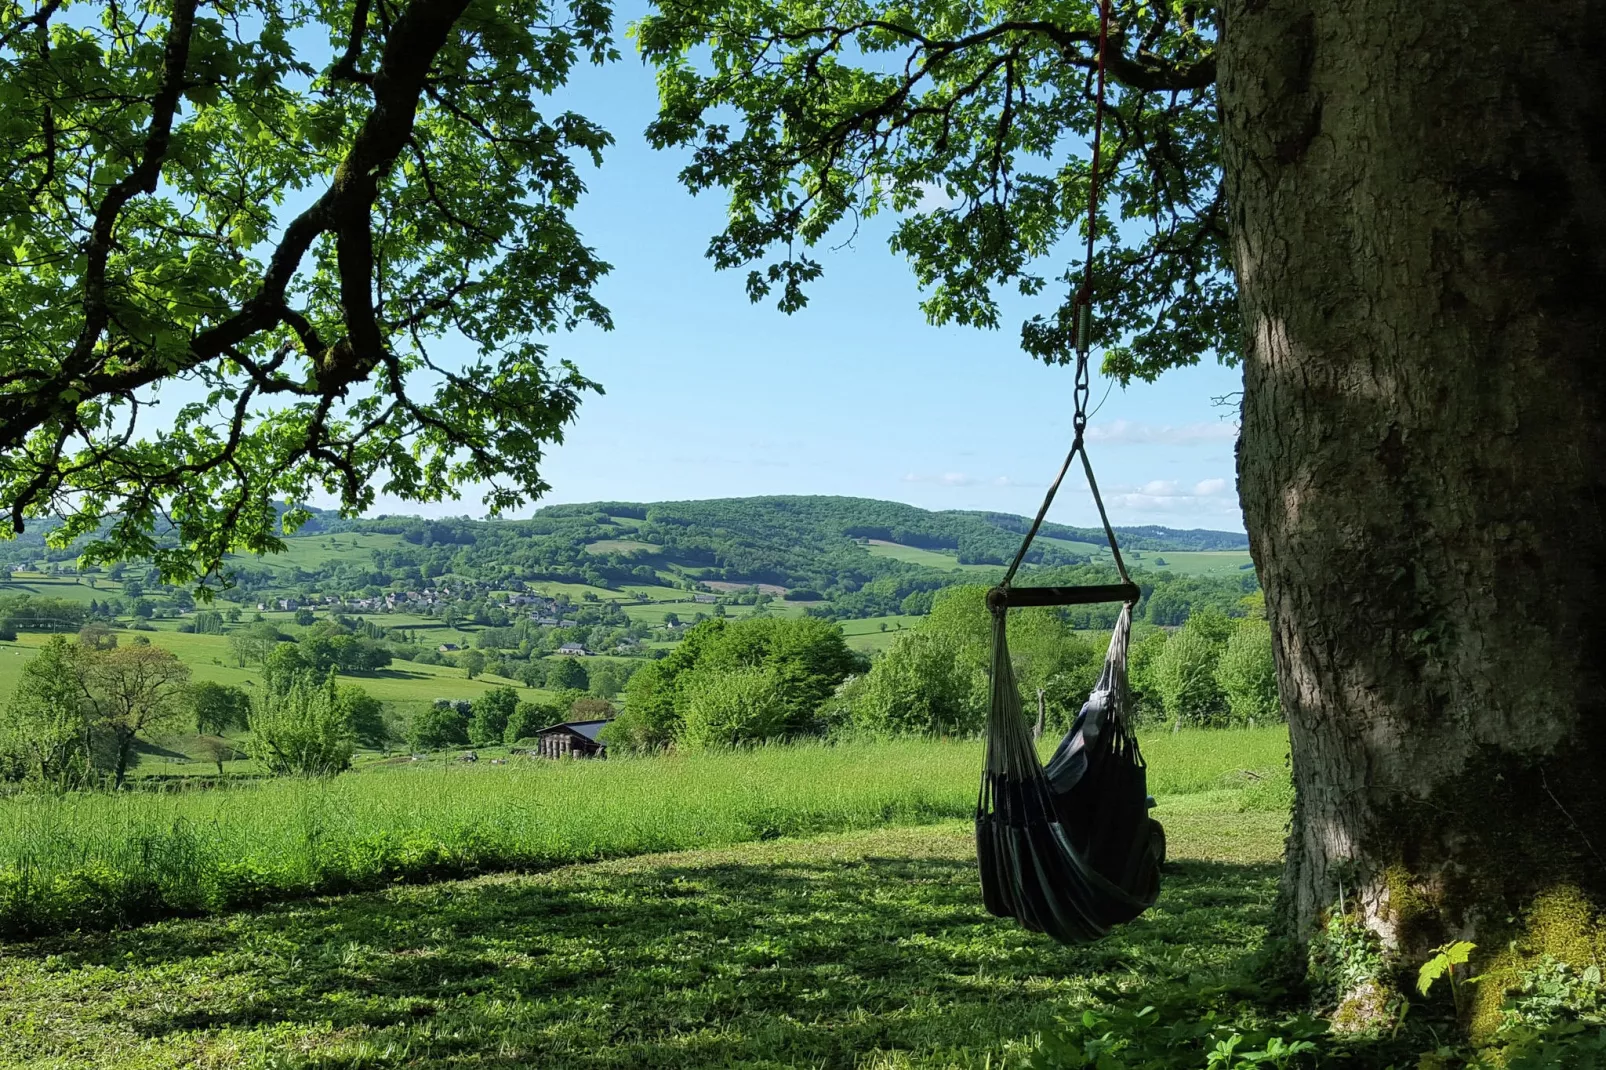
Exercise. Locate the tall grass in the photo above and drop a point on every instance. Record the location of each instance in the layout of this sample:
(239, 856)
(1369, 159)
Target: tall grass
(93, 860)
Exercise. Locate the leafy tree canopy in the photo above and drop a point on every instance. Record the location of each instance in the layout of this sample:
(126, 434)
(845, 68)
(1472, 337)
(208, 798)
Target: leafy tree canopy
(970, 122)
(271, 219)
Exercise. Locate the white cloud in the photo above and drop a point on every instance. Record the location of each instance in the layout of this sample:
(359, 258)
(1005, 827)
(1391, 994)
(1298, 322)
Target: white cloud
(1128, 433)
(1169, 496)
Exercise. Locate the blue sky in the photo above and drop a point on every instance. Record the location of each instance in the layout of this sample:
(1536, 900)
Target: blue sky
(711, 396)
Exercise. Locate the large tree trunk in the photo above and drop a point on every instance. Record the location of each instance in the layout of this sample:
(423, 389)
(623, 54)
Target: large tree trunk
(1418, 195)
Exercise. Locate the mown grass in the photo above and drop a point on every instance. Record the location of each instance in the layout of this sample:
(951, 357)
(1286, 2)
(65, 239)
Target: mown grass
(869, 949)
(94, 860)
(621, 546)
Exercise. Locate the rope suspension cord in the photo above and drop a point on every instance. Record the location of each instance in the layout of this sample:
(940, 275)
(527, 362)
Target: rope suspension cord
(1003, 596)
(1068, 848)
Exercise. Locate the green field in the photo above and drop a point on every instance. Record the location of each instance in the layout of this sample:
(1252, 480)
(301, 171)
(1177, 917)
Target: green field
(311, 552)
(916, 556)
(71, 590)
(210, 658)
(871, 634)
(620, 546)
(1194, 562)
(156, 853)
(863, 944)
(1074, 545)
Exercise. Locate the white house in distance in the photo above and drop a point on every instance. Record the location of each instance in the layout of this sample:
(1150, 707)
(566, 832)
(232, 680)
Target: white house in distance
(573, 648)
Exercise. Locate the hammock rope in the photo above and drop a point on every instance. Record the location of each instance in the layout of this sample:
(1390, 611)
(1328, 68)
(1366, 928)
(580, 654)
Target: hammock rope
(1068, 849)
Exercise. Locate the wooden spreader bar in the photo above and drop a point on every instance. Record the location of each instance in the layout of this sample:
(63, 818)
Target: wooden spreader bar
(1018, 597)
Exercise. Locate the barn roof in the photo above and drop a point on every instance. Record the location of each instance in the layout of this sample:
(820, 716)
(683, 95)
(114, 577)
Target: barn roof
(588, 729)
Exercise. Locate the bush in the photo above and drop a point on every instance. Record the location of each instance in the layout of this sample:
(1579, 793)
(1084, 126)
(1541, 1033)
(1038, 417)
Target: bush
(591, 709)
(1184, 675)
(492, 712)
(437, 728)
(1146, 703)
(726, 707)
(649, 720)
(219, 707)
(528, 718)
(303, 730)
(565, 673)
(807, 657)
(1247, 674)
(923, 684)
(365, 716)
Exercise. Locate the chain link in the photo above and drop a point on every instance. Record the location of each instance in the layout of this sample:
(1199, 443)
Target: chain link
(1082, 389)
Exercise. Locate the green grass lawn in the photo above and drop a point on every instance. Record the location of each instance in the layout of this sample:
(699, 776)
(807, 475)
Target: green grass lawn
(869, 949)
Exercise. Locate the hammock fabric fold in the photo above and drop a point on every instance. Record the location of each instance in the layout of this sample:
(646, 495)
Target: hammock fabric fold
(1068, 849)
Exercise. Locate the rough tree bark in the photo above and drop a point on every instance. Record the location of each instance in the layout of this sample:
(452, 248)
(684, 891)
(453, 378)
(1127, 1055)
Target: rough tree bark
(1418, 190)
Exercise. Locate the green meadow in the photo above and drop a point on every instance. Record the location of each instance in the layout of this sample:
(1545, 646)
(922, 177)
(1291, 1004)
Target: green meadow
(211, 659)
(95, 859)
(311, 552)
(914, 555)
(620, 546)
(871, 634)
(42, 586)
(1193, 562)
(867, 949)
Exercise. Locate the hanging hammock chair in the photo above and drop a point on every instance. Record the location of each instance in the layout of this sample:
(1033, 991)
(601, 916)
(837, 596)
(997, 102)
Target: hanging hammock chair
(1068, 849)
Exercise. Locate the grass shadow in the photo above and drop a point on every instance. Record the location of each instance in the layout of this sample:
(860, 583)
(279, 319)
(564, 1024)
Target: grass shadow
(789, 953)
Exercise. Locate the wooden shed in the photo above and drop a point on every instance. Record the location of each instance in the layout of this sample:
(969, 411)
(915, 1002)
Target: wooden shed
(572, 739)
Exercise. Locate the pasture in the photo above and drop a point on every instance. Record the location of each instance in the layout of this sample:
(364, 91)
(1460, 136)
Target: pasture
(71, 589)
(100, 859)
(211, 659)
(620, 546)
(872, 634)
(312, 552)
(1193, 562)
(914, 555)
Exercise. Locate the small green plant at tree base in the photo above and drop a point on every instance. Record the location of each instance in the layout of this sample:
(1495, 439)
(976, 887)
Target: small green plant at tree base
(1343, 956)
(1443, 963)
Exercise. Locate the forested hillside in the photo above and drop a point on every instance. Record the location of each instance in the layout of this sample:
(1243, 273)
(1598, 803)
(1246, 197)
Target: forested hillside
(861, 556)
